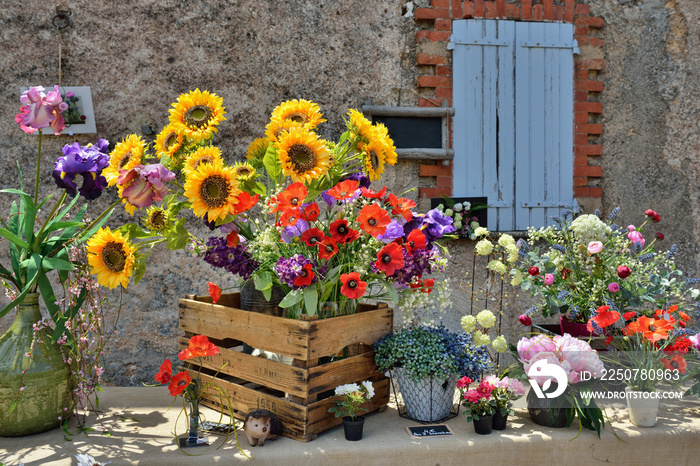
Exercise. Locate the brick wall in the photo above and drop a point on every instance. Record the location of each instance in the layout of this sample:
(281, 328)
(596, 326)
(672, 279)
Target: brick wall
(435, 84)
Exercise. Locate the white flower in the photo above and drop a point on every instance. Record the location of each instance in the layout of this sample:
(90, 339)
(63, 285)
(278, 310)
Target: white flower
(481, 339)
(486, 318)
(499, 344)
(467, 205)
(506, 240)
(458, 207)
(449, 212)
(468, 323)
(441, 207)
(483, 247)
(370, 389)
(457, 223)
(87, 460)
(346, 389)
(517, 278)
(481, 231)
(590, 228)
(497, 266)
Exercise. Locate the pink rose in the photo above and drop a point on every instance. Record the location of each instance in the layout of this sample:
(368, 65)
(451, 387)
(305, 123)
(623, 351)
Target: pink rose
(613, 287)
(594, 247)
(548, 279)
(636, 237)
(464, 382)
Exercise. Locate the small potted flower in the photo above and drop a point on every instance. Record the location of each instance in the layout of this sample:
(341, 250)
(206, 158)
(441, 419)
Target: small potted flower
(352, 397)
(478, 405)
(506, 389)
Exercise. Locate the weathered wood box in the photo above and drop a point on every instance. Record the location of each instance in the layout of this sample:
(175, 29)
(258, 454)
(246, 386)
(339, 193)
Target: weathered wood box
(301, 393)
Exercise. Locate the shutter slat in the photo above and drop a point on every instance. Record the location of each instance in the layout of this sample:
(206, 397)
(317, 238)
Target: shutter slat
(506, 134)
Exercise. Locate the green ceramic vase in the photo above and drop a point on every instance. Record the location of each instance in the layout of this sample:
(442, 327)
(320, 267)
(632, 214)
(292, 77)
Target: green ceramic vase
(47, 379)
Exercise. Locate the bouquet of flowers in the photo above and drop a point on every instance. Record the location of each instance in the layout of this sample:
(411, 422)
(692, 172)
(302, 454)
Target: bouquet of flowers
(562, 360)
(586, 263)
(353, 396)
(462, 215)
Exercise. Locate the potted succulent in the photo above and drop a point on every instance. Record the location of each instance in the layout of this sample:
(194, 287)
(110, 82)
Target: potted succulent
(352, 397)
(426, 362)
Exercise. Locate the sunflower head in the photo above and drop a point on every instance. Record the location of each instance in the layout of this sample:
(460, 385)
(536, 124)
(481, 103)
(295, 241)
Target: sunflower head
(244, 171)
(276, 127)
(126, 155)
(301, 111)
(257, 149)
(156, 218)
(203, 155)
(374, 158)
(169, 141)
(197, 114)
(111, 258)
(303, 155)
(360, 127)
(213, 190)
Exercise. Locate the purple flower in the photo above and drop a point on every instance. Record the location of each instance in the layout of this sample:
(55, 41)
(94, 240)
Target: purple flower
(393, 231)
(437, 225)
(87, 161)
(291, 232)
(236, 260)
(145, 184)
(288, 270)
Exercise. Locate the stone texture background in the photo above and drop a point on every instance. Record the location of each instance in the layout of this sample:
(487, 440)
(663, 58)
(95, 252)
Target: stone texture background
(139, 55)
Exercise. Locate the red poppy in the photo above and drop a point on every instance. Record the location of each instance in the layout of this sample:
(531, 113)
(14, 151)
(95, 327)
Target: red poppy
(677, 362)
(312, 236)
(290, 217)
(366, 192)
(604, 318)
(245, 203)
(401, 206)
(390, 259)
(305, 277)
(353, 287)
(199, 345)
(311, 212)
(652, 329)
(683, 316)
(629, 315)
(179, 383)
(427, 285)
(608, 340)
(232, 239)
(272, 205)
(166, 372)
(342, 233)
(343, 190)
(292, 197)
(682, 345)
(533, 270)
(373, 219)
(327, 248)
(415, 240)
(214, 292)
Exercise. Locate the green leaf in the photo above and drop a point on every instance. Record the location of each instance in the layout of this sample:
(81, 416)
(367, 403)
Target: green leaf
(311, 299)
(54, 263)
(5, 233)
(290, 299)
(140, 268)
(263, 281)
(177, 235)
(271, 162)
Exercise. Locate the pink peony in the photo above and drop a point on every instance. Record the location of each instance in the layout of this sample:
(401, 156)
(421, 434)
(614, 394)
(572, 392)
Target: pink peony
(594, 247)
(516, 386)
(580, 356)
(613, 287)
(529, 347)
(695, 340)
(636, 237)
(552, 359)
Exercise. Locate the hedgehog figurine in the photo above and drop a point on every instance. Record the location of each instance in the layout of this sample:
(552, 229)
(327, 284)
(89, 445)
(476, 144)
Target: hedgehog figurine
(260, 425)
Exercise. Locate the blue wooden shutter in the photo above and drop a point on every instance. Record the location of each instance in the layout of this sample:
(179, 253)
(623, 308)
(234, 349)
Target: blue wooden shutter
(513, 123)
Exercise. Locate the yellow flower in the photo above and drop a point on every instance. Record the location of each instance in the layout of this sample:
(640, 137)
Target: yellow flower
(257, 149)
(303, 155)
(276, 127)
(360, 126)
(169, 141)
(483, 247)
(486, 318)
(198, 114)
(468, 323)
(517, 278)
(481, 338)
(374, 159)
(301, 111)
(111, 258)
(506, 240)
(244, 171)
(500, 344)
(497, 266)
(156, 218)
(382, 134)
(481, 231)
(213, 190)
(125, 156)
(203, 155)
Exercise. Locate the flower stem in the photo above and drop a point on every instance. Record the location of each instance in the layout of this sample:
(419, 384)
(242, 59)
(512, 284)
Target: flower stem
(38, 170)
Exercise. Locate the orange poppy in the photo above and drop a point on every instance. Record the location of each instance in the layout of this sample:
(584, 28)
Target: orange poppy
(327, 248)
(604, 318)
(390, 259)
(199, 346)
(366, 192)
(401, 206)
(652, 329)
(311, 212)
(416, 240)
(179, 383)
(305, 277)
(166, 372)
(684, 316)
(292, 197)
(353, 287)
(245, 203)
(214, 292)
(629, 315)
(374, 219)
(677, 362)
(273, 205)
(289, 217)
(232, 239)
(343, 190)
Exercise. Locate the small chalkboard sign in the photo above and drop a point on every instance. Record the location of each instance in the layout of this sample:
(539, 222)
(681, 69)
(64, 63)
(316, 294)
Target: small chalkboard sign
(437, 430)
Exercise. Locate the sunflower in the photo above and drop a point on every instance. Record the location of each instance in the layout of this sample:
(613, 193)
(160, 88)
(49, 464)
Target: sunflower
(198, 114)
(125, 156)
(300, 111)
(213, 190)
(276, 127)
(203, 155)
(374, 158)
(360, 126)
(169, 140)
(244, 171)
(303, 155)
(257, 149)
(111, 258)
(156, 218)
(381, 133)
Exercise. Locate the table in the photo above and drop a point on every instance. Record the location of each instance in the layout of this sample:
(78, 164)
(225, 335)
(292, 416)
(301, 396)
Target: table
(675, 440)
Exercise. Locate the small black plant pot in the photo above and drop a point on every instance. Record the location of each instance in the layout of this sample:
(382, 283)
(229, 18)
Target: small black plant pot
(483, 425)
(353, 428)
(500, 421)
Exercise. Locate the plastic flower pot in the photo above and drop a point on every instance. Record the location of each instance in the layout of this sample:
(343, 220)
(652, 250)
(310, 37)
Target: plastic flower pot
(353, 427)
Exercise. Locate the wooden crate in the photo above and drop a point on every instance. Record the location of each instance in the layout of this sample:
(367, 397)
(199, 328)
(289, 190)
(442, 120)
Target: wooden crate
(300, 393)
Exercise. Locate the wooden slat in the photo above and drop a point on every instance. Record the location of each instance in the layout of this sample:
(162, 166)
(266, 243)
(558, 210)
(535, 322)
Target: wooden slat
(349, 370)
(329, 336)
(505, 192)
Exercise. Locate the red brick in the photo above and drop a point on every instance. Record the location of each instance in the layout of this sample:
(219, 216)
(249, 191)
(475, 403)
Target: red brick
(443, 92)
(581, 31)
(478, 8)
(580, 117)
(526, 9)
(443, 25)
(586, 85)
(434, 36)
(583, 10)
(569, 11)
(596, 192)
(512, 11)
(434, 81)
(467, 10)
(537, 12)
(580, 160)
(427, 59)
(582, 192)
(559, 13)
(590, 171)
(489, 10)
(500, 8)
(590, 107)
(592, 41)
(580, 139)
(440, 3)
(434, 192)
(429, 14)
(588, 149)
(580, 181)
(443, 181)
(548, 10)
(443, 70)
(591, 128)
(578, 74)
(589, 64)
(456, 8)
(435, 170)
(591, 21)
(581, 96)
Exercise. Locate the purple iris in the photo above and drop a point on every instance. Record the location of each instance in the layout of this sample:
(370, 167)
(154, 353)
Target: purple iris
(293, 231)
(437, 225)
(394, 230)
(88, 161)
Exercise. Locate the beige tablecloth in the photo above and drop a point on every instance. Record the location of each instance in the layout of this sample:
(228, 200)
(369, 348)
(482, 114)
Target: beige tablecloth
(675, 440)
